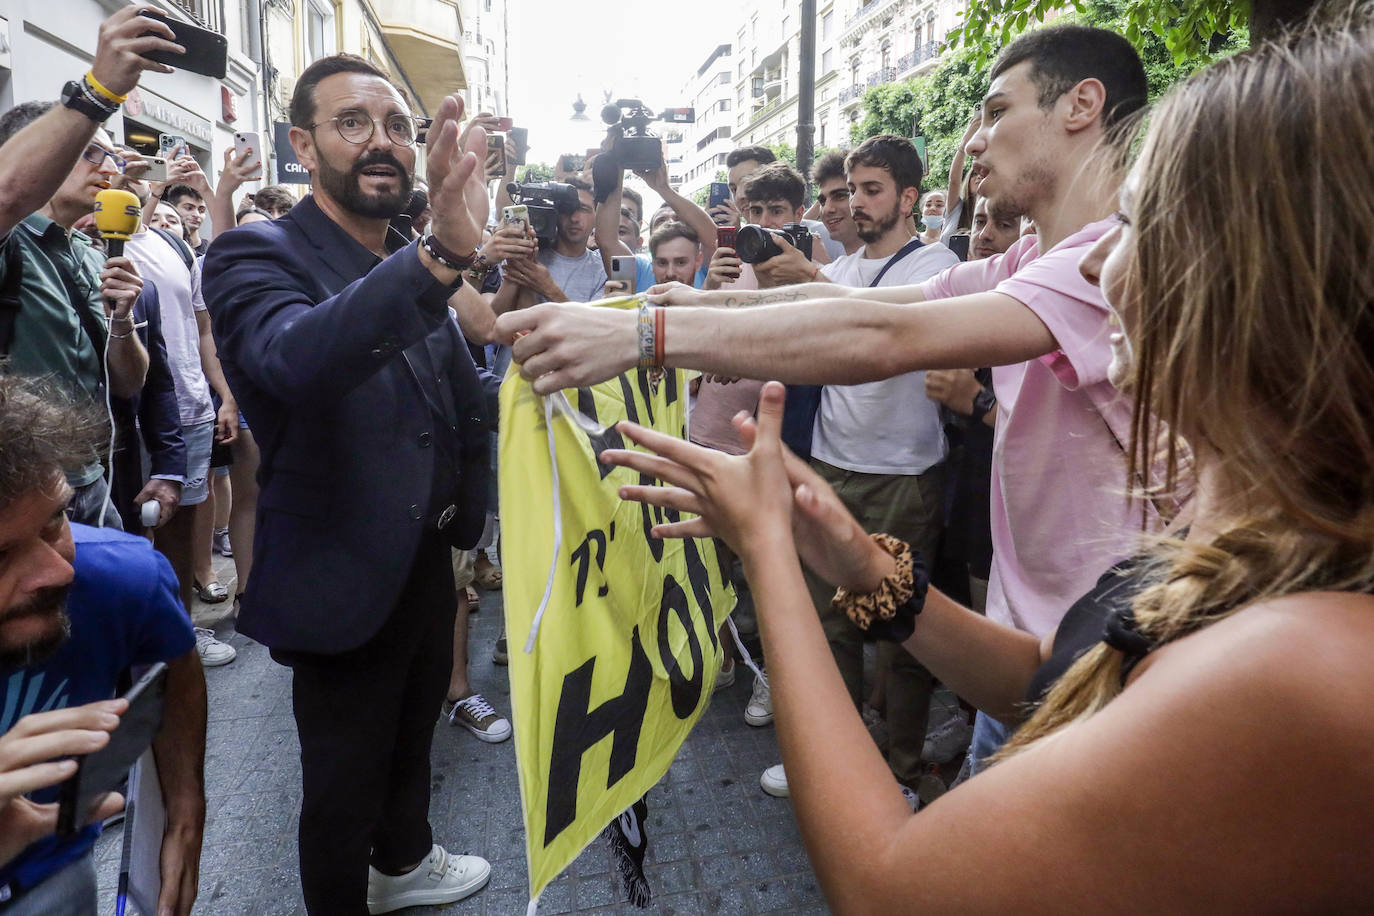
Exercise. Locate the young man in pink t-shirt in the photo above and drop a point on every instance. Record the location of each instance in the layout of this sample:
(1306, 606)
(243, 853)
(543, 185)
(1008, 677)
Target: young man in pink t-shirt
(1060, 515)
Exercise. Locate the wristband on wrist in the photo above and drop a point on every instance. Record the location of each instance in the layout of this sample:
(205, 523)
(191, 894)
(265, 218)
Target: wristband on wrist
(660, 335)
(444, 256)
(647, 341)
(889, 612)
(100, 89)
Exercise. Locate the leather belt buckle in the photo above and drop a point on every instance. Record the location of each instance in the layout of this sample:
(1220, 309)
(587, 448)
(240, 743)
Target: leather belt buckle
(446, 516)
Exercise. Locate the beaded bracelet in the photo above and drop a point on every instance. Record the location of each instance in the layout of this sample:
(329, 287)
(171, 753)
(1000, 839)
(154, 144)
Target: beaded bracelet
(889, 612)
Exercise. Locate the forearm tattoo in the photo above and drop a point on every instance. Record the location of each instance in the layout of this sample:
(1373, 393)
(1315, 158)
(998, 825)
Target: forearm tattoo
(762, 298)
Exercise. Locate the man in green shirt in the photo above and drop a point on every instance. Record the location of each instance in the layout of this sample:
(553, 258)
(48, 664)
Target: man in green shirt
(54, 284)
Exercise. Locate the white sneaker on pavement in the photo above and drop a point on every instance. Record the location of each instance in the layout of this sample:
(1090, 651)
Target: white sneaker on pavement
(774, 782)
(474, 713)
(213, 653)
(440, 878)
(759, 712)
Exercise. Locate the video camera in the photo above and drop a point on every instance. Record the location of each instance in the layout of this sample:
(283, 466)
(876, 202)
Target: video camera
(545, 200)
(755, 243)
(633, 145)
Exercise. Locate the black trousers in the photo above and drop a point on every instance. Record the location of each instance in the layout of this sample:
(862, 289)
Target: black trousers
(366, 721)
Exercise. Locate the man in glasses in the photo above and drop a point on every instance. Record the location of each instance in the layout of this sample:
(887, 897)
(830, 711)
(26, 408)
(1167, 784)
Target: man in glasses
(335, 335)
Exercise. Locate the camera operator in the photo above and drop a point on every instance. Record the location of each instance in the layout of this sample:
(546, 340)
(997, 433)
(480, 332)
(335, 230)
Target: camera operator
(567, 270)
(742, 163)
(687, 213)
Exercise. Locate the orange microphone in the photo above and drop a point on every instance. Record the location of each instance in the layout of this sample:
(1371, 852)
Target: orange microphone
(116, 216)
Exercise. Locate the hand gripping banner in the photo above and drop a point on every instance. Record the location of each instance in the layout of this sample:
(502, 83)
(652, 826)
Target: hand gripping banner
(613, 633)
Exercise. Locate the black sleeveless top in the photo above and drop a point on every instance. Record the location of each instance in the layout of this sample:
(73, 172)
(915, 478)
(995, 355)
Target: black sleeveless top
(1103, 614)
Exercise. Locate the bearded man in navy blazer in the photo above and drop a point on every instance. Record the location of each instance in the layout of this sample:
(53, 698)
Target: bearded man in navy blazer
(338, 341)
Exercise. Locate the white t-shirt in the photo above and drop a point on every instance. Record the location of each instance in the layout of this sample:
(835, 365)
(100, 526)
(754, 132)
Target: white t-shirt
(179, 298)
(889, 426)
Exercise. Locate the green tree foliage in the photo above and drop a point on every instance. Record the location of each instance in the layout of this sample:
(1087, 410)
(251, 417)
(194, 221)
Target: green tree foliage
(938, 106)
(1187, 27)
(535, 171)
(699, 198)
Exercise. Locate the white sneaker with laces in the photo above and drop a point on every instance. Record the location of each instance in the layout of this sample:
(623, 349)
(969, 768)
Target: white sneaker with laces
(774, 782)
(213, 653)
(759, 712)
(440, 878)
(474, 713)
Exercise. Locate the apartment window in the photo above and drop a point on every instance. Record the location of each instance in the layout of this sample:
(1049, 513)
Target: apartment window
(886, 55)
(319, 29)
(827, 61)
(827, 22)
(724, 79)
(720, 158)
(918, 36)
(724, 105)
(488, 5)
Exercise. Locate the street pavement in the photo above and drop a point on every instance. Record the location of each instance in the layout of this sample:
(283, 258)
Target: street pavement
(717, 844)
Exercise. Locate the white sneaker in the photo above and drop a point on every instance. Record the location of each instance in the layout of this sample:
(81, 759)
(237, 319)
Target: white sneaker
(213, 653)
(725, 676)
(474, 713)
(440, 878)
(759, 712)
(912, 799)
(774, 782)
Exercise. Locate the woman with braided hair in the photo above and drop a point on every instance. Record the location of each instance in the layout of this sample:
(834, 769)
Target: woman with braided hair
(1195, 735)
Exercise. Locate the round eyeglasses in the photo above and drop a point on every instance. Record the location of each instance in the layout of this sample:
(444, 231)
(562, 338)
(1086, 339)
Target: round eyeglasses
(357, 127)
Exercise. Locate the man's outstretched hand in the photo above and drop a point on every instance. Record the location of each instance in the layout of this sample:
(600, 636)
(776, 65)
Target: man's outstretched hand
(565, 345)
(457, 195)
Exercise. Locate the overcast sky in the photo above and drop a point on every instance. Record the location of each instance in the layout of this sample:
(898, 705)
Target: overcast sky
(634, 49)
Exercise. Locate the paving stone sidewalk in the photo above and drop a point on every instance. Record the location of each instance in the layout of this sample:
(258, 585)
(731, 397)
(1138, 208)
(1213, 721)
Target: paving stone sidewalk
(717, 844)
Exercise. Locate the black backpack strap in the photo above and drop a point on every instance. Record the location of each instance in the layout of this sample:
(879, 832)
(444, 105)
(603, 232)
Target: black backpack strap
(9, 293)
(187, 255)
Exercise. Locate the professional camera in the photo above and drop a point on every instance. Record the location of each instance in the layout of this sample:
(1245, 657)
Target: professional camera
(545, 200)
(755, 243)
(633, 145)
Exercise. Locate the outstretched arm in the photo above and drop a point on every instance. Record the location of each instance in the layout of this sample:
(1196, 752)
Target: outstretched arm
(825, 341)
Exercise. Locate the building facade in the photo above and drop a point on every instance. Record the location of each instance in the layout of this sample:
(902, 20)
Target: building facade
(486, 49)
(697, 151)
(858, 45)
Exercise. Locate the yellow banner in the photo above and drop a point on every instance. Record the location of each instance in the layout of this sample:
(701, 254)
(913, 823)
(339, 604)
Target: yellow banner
(625, 651)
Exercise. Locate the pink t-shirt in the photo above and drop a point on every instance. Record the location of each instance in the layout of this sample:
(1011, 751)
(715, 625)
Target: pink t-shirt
(1060, 516)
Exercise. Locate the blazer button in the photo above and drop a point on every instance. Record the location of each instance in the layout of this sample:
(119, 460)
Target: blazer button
(415, 512)
(425, 439)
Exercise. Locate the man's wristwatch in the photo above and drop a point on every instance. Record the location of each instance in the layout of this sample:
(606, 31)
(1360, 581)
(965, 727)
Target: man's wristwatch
(983, 401)
(78, 96)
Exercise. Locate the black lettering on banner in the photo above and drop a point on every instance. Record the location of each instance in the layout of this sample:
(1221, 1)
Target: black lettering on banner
(722, 560)
(685, 691)
(654, 515)
(586, 405)
(645, 389)
(577, 727)
(699, 577)
(582, 559)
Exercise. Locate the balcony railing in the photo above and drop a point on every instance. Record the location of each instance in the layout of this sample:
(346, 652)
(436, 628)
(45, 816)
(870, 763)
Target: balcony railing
(209, 13)
(868, 9)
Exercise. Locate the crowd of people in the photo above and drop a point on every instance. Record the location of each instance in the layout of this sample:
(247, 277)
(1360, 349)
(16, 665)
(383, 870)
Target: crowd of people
(1059, 535)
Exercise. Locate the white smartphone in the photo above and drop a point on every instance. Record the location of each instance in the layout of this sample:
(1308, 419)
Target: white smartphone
(247, 142)
(157, 169)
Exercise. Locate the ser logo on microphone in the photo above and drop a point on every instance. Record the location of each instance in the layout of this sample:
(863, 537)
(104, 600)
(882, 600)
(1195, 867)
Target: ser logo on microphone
(130, 210)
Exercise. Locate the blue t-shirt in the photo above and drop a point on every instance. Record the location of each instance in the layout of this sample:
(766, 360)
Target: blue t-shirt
(125, 610)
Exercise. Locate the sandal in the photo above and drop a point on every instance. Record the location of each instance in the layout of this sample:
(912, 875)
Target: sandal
(488, 575)
(213, 593)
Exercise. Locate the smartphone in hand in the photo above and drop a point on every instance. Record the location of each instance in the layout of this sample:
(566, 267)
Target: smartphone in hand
(101, 772)
(247, 142)
(207, 52)
(624, 270)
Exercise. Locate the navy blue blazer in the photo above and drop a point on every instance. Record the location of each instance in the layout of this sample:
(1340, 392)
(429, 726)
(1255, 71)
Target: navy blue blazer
(327, 349)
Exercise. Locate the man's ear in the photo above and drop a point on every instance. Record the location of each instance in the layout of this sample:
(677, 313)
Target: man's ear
(303, 143)
(910, 198)
(1083, 106)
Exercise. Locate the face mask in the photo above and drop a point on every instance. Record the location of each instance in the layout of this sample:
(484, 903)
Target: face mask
(933, 222)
